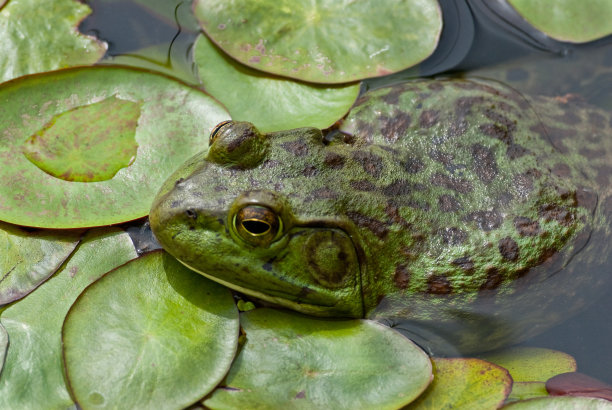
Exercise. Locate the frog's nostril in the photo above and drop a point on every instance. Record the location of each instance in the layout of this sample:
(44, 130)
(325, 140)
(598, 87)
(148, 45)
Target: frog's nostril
(191, 213)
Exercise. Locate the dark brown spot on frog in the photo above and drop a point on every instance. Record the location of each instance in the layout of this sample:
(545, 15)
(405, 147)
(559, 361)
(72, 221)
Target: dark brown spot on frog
(496, 131)
(220, 188)
(562, 170)
(377, 227)
(363, 185)
(485, 165)
(402, 276)
(428, 118)
(592, 153)
(523, 184)
(515, 151)
(301, 395)
(597, 120)
(452, 236)
(298, 148)
(508, 248)
(445, 158)
(364, 130)
(310, 171)
(448, 203)
(438, 285)
(463, 105)
(499, 119)
(494, 279)
(323, 193)
(464, 263)
(333, 160)
(392, 212)
(485, 220)
(246, 134)
(435, 85)
(401, 187)
(586, 198)
(457, 128)
(603, 175)
(175, 204)
(395, 127)
(413, 165)
(371, 163)
(460, 185)
(552, 212)
(392, 97)
(526, 226)
(568, 117)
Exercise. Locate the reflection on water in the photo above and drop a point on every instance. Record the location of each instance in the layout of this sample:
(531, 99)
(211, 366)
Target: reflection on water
(574, 72)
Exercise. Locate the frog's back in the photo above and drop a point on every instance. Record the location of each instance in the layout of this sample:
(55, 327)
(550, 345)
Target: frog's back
(491, 194)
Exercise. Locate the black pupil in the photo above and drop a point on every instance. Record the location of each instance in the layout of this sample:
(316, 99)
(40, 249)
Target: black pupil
(256, 227)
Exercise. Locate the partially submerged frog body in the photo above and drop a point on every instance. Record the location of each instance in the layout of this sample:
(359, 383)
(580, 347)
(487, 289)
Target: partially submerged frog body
(455, 205)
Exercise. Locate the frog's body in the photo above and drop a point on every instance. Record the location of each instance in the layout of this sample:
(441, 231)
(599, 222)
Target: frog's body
(451, 204)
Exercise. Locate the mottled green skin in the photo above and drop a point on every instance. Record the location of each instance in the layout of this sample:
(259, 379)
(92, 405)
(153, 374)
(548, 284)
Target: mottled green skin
(451, 205)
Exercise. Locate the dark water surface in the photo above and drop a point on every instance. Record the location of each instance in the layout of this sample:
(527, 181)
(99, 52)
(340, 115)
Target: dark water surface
(475, 37)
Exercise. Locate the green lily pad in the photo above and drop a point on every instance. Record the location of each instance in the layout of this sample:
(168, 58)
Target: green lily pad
(29, 258)
(172, 335)
(561, 403)
(38, 38)
(173, 124)
(532, 364)
(3, 346)
(293, 361)
(568, 20)
(271, 103)
(527, 390)
(33, 373)
(465, 384)
(323, 41)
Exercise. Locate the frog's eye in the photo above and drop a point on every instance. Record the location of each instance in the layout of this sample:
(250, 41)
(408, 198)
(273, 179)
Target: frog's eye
(257, 225)
(215, 131)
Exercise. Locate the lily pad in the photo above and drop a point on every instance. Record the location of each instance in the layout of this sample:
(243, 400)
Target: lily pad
(172, 335)
(465, 384)
(532, 364)
(527, 390)
(293, 361)
(172, 122)
(561, 403)
(38, 38)
(578, 384)
(29, 258)
(33, 373)
(568, 20)
(323, 41)
(271, 103)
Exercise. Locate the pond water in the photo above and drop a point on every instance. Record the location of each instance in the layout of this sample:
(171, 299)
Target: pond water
(469, 45)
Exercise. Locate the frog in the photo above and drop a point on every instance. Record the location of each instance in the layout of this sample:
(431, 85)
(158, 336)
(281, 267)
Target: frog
(459, 210)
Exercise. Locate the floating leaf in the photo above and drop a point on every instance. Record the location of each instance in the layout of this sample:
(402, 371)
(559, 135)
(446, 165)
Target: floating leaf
(578, 384)
(527, 390)
(323, 41)
(174, 124)
(33, 373)
(38, 38)
(532, 364)
(271, 103)
(465, 384)
(172, 335)
(29, 258)
(561, 403)
(568, 20)
(294, 361)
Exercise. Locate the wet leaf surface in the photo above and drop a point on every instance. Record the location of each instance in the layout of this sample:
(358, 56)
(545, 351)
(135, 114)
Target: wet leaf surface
(83, 145)
(33, 371)
(37, 39)
(532, 364)
(294, 361)
(561, 403)
(29, 258)
(172, 335)
(272, 103)
(174, 123)
(568, 20)
(578, 384)
(323, 41)
(465, 384)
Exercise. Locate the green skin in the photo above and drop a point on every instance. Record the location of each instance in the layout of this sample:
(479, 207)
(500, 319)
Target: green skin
(451, 205)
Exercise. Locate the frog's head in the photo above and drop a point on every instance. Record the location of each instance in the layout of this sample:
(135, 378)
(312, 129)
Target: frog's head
(243, 215)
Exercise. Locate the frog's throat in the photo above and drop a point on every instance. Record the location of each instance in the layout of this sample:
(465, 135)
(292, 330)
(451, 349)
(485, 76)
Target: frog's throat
(314, 310)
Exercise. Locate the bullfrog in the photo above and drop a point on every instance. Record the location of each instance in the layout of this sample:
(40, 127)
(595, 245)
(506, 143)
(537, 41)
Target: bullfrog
(458, 206)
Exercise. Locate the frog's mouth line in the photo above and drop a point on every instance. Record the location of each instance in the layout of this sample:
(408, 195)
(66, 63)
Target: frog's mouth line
(315, 310)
